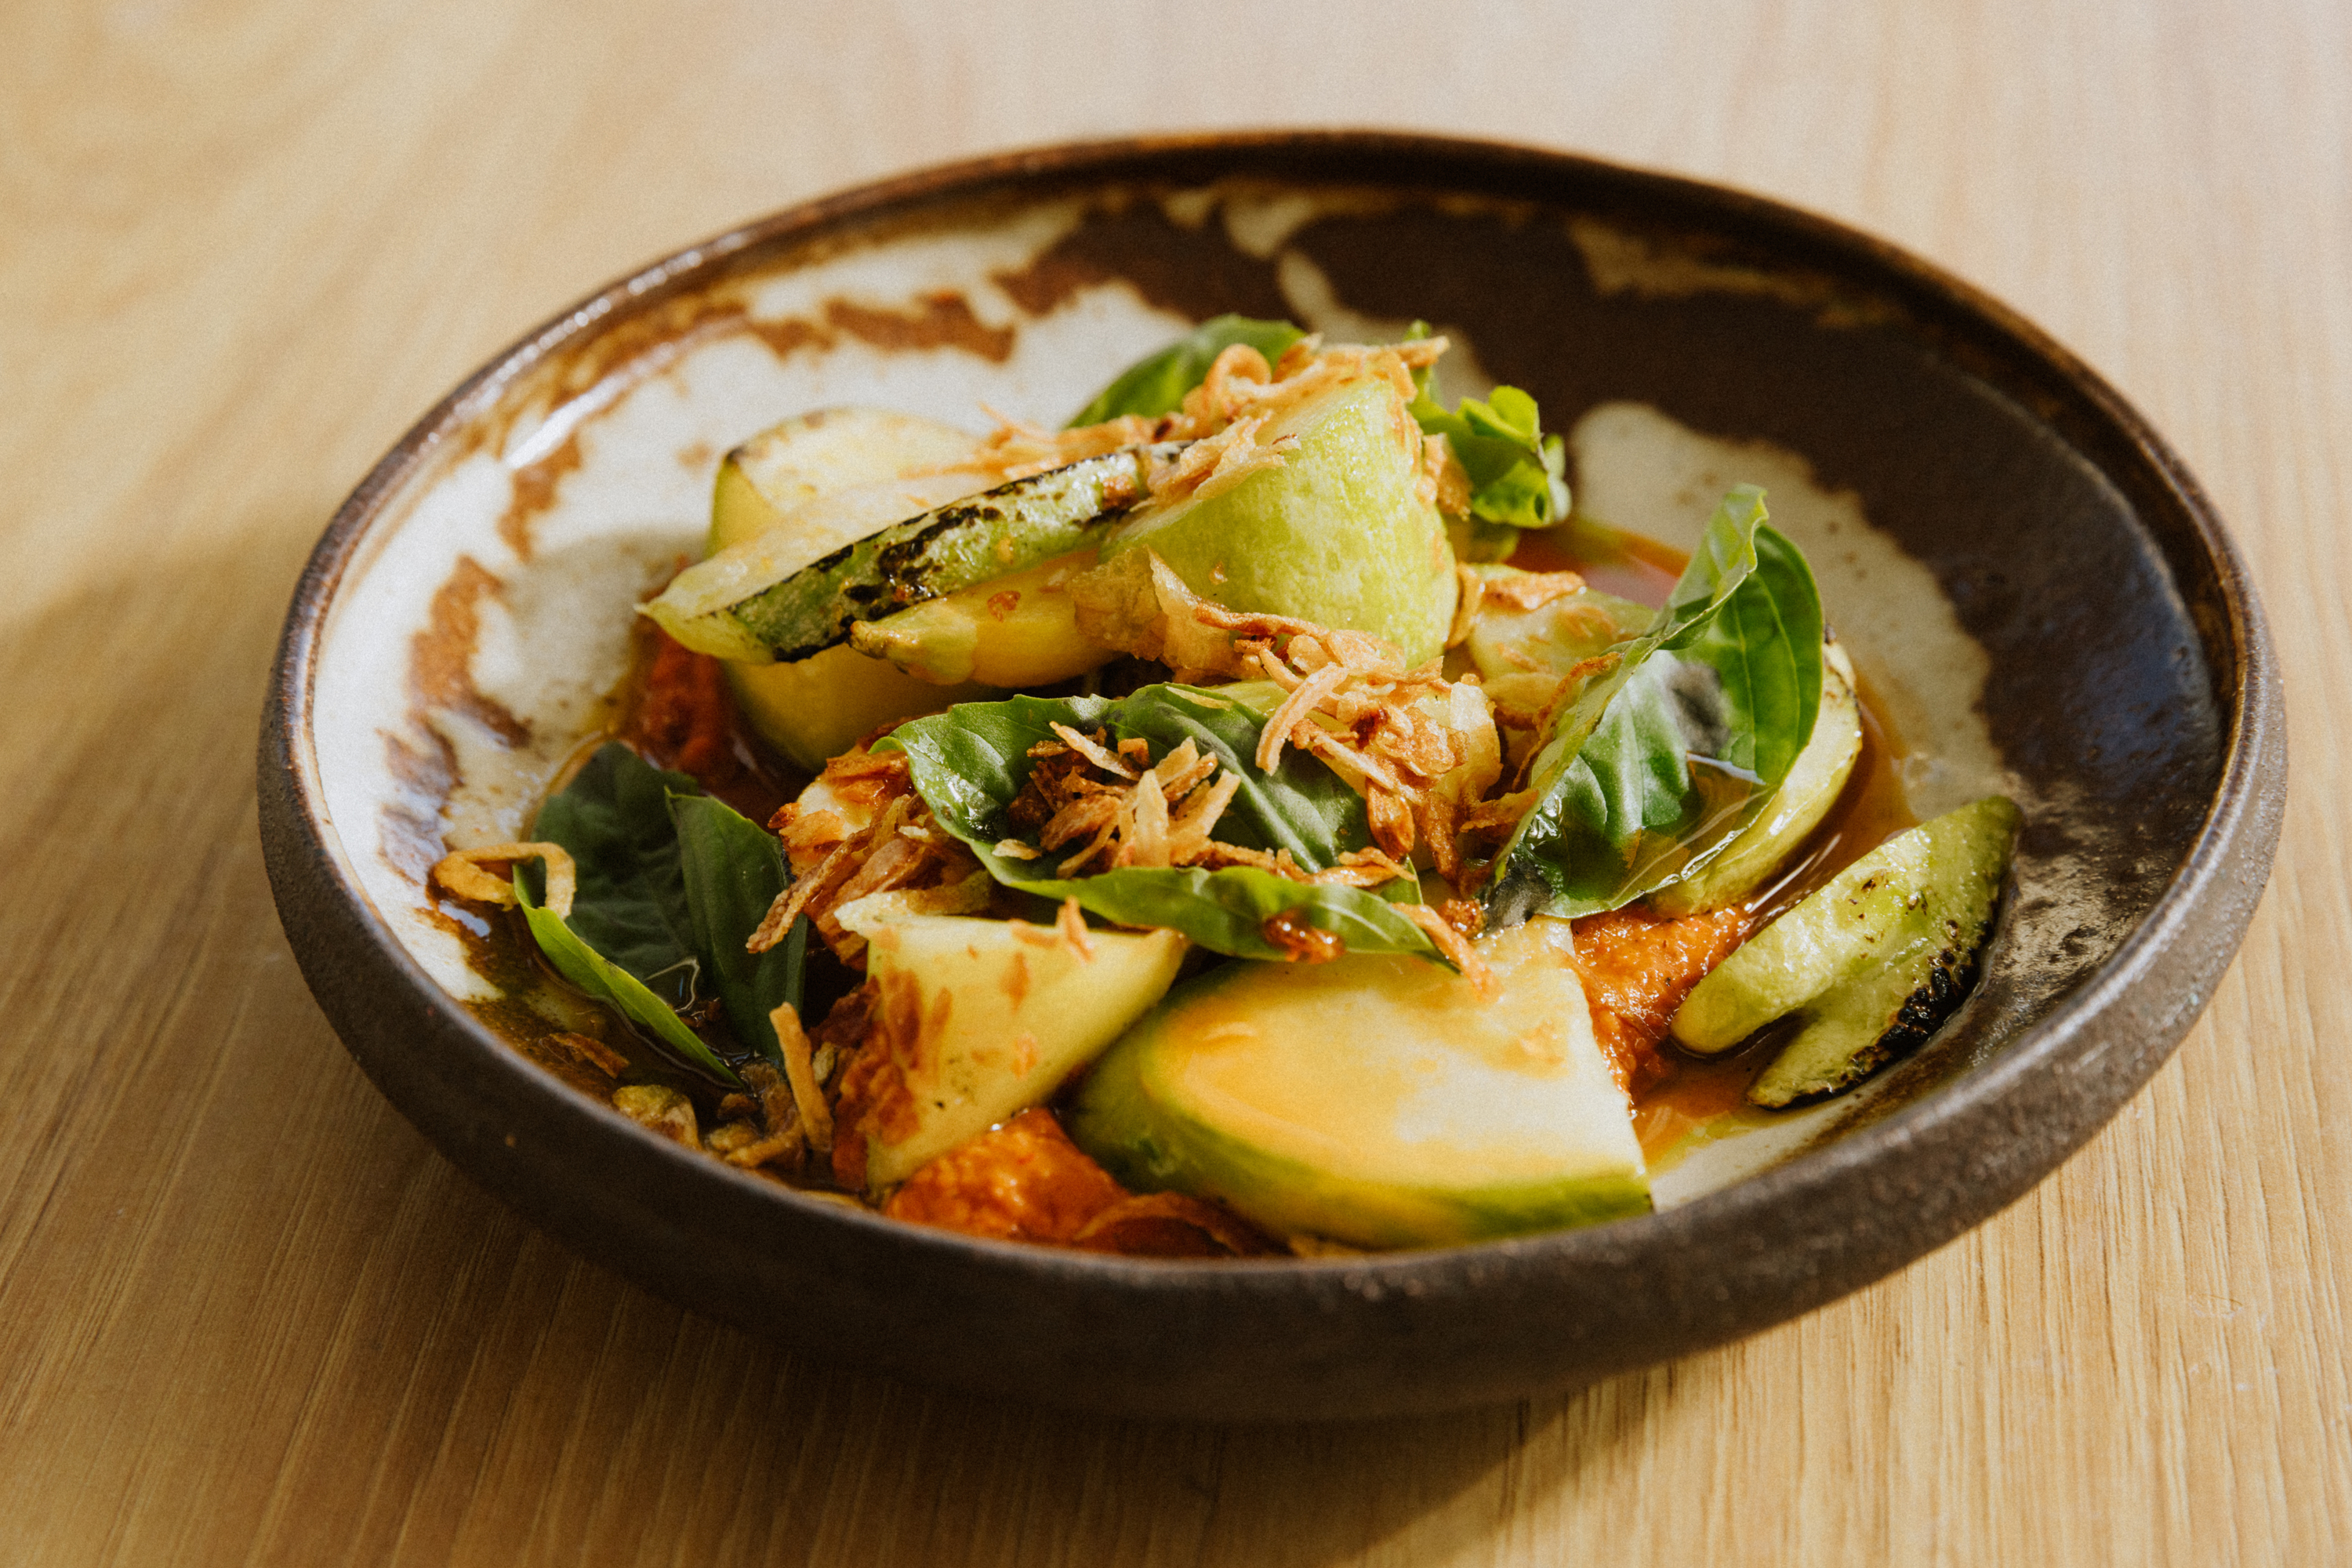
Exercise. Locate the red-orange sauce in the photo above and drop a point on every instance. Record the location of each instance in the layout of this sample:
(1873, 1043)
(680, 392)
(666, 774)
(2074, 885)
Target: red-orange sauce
(678, 714)
(1694, 1092)
(1025, 1181)
(1637, 967)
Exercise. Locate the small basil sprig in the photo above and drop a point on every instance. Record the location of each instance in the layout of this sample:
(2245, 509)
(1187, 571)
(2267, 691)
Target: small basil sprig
(672, 884)
(971, 762)
(1667, 755)
(1157, 384)
(614, 818)
(1517, 472)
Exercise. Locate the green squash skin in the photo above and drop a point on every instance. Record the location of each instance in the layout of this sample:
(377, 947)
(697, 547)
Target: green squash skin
(986, 536)
(1336, 534)
(814, 710)
(1874, 960)
(1889, 909)
(1124, 1116)
(1868, 1022)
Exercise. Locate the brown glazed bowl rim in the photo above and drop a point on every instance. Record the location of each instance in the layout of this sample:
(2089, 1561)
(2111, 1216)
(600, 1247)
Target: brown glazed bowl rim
(1989, 1135)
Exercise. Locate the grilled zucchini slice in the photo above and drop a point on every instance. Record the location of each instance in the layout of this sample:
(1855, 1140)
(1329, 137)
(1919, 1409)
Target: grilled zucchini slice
(1875, 960)
(782, 482)
(785, 468)
(1016, 630)
(772, 602)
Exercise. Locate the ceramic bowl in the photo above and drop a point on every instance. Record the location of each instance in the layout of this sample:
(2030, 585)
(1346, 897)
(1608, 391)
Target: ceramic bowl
(2033, 585)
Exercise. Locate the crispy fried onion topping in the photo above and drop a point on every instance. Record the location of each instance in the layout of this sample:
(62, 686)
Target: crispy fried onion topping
(1470, 592)
(770, 1129)
(1393, 734)
(1531, 590)
(813, 1117)
(762, 1127)
(1444, 480)
(783, 1118)
(1136, 603)
(1225, 423)
(1096, 807)
(1448, 940)
(897, 849)
(1228, 415)
(1218, 462)
(467, 874)
(1414, 745)
(591, 1053)
(1419, 749)
(842, 801)
(1016, 448)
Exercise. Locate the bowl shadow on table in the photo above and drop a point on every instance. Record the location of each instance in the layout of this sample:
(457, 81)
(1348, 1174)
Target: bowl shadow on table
(871, 1470)
(544, 1401)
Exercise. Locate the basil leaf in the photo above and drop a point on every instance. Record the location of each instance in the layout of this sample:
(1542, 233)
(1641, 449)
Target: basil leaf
(1666, 756)
(672, 885)
(1515, 469)
(1226, 910)
(607, 982)
(1157, 384)
(613, 817)
(971, 761)
(733, 870)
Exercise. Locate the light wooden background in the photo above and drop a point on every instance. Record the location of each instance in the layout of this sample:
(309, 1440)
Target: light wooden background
(247, 1314)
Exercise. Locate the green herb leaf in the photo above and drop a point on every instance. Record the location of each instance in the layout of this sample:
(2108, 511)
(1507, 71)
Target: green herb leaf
(1662, 758)
(971, 762)
(607, 982)
(1157, 384)
(613, 817)
(672, 885)
(733, 870)
(1226, 910)
(1515, 469)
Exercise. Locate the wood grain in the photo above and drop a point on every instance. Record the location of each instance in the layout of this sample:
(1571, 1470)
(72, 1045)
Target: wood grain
(246, 1315)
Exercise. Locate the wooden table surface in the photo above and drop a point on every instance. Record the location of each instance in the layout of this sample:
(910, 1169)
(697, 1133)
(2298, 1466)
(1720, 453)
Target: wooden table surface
(247, 1315)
